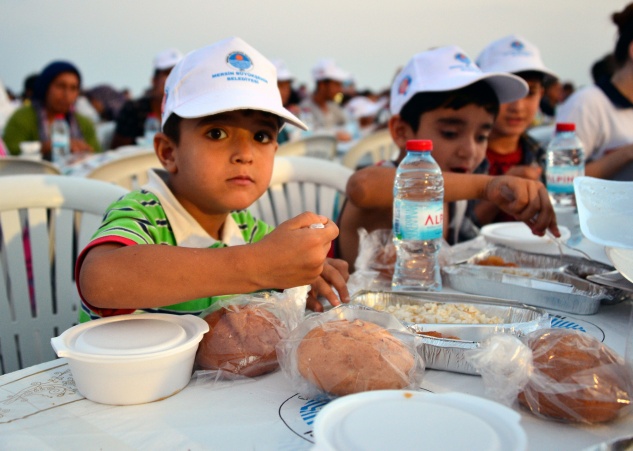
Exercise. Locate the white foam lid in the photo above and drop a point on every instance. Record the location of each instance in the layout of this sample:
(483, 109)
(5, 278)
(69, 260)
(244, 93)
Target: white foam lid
(141, 336)
(398, 419)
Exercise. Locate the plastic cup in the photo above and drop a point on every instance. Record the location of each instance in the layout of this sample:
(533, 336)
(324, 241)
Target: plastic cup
(31, 150)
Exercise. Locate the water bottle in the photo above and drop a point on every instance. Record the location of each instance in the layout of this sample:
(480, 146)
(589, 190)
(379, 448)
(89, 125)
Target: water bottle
(565, 161)
(60, 140)
(418, 220)
(152, 126)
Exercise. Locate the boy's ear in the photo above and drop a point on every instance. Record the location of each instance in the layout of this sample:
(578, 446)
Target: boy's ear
(165, 151)
(400, 131)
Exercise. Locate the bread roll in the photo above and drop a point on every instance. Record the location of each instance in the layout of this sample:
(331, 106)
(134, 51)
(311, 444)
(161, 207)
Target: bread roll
(343, 357)
(241, 340)
(576, 378)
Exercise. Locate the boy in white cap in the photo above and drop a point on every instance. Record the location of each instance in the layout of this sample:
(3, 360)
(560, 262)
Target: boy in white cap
(510, 149)
(186, 237)
(130, 121)
(443, 96)
(320, 109)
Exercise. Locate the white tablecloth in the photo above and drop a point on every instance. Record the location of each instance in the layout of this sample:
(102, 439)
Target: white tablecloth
(41, 409)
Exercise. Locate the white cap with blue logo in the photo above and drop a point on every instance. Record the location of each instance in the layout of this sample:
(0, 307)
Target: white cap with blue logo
(226, 76)
(512, 54)
(447, 69)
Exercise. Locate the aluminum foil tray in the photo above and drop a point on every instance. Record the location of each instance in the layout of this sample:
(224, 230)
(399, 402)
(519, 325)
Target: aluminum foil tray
(572, 266)
(550, 289)
(449, 354)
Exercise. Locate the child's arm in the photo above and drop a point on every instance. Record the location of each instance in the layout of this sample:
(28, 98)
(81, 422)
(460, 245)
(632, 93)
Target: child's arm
(527, 200)
(143, 276)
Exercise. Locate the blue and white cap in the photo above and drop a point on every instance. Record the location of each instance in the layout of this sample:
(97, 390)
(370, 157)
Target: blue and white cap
(226, 76)
(447, 69)
(512, 54)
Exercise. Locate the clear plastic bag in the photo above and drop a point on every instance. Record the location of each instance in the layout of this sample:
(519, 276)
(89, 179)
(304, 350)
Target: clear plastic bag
(376, 259)
(244, 332)
(557, 374)
(350, 349)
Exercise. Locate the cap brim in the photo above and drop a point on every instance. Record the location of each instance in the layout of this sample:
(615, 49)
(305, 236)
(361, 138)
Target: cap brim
(221, 102)
(508, 87)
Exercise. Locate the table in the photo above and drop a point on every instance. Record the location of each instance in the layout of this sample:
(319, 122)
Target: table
(40, 408)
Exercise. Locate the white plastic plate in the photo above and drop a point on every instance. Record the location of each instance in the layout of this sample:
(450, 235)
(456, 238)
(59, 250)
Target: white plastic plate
(518, 235)
(402, 419)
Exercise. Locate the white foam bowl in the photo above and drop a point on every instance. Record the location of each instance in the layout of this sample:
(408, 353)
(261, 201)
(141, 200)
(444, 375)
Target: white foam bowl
(132, 359)
(605, 211)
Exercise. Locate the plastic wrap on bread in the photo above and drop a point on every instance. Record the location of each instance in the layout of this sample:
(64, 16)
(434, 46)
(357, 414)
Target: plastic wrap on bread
(350, 349)
(557, 374)
(244, 332)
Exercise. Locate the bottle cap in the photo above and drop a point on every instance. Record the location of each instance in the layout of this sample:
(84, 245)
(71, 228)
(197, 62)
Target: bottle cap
(420, 145)
(59, 116)
(565, 127)
(152, 115)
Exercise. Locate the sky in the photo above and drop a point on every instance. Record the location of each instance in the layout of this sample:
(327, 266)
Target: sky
(114, 41)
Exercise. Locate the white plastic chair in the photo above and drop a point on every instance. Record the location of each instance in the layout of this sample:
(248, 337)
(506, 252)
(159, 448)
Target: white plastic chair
(55, 216)
(371, 149)
(11, 165)
(302, 184)
(318, 146)
(128, 168)
(105, 133)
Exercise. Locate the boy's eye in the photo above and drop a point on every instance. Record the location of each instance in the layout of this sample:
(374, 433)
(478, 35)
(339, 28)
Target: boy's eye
(217, 133)
(263, 137)
(448, 134)
(482, 138)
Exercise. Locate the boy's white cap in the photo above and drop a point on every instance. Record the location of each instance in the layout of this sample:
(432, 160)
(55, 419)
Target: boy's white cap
(167, 59)
(283, 74)
(326, 69)
(448, 69)
(226, 76)
(361, 106)
(512, 54)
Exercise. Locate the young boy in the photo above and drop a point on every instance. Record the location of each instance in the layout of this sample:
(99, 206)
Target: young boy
(187, 236)
(442, 96)
(510, 150)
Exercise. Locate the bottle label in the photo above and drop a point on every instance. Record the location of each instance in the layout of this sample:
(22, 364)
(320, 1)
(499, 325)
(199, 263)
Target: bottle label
(419, 221)
(560, 179)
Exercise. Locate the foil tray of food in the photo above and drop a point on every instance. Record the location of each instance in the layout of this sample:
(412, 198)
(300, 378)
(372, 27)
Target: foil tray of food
(447, 325)
(550, 289)
(501, 257)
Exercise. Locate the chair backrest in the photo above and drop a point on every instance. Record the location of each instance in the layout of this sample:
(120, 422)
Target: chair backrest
(45, 222)
(371, 149)
(317, 146)
(302, 184)
(11, 165)
(105, 133)
(128, 170)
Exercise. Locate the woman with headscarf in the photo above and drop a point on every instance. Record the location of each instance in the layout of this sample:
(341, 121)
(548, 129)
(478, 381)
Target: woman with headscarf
(56, 90)
(603, 113)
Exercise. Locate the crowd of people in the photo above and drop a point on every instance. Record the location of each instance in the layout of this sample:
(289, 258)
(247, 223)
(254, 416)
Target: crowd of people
(477, 111)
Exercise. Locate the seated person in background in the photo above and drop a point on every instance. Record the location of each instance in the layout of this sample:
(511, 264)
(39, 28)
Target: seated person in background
(510, 149)
(56, 90)
(130, 122)
(320, 110)
(603, 113)
(552, 96)
(364, 111)
(187, 238)
(284, 83)
(442, 96)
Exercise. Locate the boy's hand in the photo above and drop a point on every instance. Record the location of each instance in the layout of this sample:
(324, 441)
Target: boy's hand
(294, 254)
(335, 275)
(526, 172)
(526, 200)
